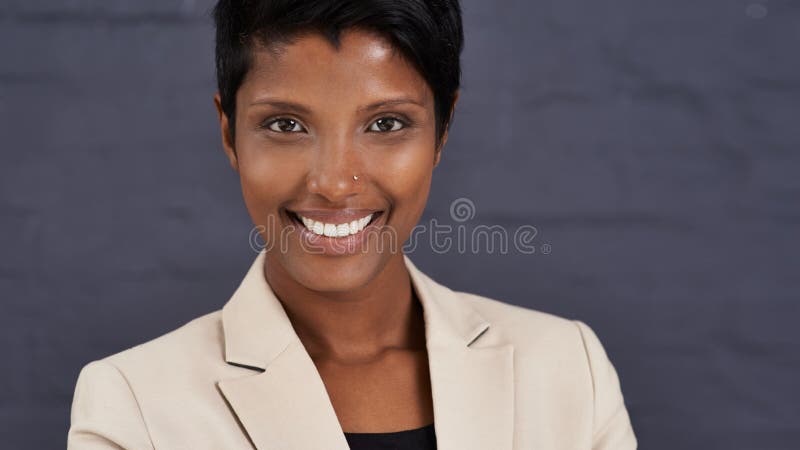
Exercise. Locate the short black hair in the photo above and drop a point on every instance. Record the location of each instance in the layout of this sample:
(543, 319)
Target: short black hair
(428, 33)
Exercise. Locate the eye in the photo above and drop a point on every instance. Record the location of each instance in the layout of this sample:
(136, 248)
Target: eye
(285, 125)
(386, 124)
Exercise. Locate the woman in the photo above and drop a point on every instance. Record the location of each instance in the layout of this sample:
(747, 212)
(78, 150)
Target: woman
(334, 115)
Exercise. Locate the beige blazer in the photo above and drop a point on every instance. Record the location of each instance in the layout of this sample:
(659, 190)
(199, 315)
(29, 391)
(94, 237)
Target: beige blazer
(503, 377)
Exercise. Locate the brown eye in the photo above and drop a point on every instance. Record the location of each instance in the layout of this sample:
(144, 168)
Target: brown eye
(386, 124)
(284, 125)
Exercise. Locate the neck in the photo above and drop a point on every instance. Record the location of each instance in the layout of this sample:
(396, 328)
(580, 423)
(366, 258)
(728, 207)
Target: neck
(355, 325)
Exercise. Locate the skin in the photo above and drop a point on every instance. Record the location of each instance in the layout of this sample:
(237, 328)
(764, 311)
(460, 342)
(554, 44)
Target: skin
(356, 314)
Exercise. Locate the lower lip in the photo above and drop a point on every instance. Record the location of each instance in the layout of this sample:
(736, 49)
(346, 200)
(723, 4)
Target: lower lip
(326, 245)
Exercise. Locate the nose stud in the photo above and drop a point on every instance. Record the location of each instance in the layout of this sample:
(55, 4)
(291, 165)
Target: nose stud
(355, 177)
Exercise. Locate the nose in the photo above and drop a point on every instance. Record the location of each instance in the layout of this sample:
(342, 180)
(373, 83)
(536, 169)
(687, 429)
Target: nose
(332, 171)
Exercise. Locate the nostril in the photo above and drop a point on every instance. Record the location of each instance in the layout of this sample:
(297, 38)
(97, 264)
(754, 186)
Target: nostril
(334, 182)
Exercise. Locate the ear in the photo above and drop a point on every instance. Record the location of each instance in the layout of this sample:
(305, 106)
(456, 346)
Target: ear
(438, 154)
(227, 139)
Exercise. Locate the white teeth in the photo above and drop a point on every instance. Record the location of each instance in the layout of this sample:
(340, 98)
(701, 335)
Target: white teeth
(318, 227)
(335, 230)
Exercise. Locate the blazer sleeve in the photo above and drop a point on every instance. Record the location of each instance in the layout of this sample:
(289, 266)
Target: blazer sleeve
(611, 429)
(105, 414)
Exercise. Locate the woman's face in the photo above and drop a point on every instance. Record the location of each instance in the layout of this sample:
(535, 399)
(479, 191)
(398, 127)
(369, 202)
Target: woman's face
(308, 118)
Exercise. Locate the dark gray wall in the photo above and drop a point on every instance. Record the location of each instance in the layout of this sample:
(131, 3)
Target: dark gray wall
(653, 144)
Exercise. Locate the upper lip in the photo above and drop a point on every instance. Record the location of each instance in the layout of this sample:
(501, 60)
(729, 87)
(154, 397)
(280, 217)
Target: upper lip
(334, 216)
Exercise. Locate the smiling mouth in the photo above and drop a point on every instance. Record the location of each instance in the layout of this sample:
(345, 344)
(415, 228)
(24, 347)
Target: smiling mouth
(335, 230)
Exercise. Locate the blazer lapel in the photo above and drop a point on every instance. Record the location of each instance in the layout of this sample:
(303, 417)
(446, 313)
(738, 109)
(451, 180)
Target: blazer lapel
(283, 403)
(287, 406)
(472, 386)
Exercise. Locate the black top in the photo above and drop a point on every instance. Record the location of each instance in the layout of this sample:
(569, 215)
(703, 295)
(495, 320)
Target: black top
(422, 438)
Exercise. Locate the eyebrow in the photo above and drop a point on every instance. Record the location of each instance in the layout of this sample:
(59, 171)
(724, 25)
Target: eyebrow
(301, 109)
(280, 104)
(390, 102)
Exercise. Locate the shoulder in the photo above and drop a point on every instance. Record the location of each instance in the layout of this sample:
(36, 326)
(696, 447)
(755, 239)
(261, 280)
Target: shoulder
(538, 337)
(197, 344)
(559, 362)
(519, 324)
(114, 395)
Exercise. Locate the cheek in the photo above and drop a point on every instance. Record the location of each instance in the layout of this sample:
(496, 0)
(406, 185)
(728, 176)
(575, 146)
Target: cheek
(406, 176)
(267, 179)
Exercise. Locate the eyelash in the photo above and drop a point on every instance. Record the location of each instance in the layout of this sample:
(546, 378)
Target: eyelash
(269, 122)
(403, 124)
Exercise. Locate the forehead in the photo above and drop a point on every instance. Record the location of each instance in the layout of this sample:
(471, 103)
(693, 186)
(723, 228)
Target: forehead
(310, 67)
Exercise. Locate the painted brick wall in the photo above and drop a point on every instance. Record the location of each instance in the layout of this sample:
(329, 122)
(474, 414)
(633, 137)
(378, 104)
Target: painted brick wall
(653, 145)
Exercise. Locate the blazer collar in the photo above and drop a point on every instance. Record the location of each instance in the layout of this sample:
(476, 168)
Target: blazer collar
(285, 404)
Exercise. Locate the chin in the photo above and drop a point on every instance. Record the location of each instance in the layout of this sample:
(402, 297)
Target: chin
(334, 274)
